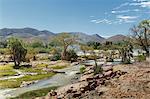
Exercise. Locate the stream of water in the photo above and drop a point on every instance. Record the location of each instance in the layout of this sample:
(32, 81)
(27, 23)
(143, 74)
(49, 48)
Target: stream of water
(59, 79)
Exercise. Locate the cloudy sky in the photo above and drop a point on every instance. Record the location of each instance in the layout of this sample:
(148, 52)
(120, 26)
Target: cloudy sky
(104, 17)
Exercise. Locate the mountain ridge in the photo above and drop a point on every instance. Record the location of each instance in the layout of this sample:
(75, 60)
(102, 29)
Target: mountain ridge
(31, 33)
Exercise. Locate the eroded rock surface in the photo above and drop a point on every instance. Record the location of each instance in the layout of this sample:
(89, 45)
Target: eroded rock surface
(118, 82)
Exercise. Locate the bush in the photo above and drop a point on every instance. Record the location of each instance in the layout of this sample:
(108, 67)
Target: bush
(141, 58)
(4, 51)
(56, 57)
(82, 69)
(71, 55)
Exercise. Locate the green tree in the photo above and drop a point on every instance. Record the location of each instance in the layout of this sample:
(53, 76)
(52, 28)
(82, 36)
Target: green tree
(141, 35)
(17, 50)
(95, 45)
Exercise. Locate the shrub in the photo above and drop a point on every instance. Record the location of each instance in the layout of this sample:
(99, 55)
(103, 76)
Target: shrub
(71, 55)
(141, 58)
(82, 69)
(56, 57)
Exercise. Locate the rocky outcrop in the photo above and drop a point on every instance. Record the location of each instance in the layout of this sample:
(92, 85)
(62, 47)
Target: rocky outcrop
(118, 82)
(86, 86)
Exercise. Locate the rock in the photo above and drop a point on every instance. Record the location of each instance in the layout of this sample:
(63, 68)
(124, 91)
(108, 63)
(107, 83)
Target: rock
(108, 73)
(74, 63)
(75, 95)
(89, 72)
(107, 68)
(84, 77)
(53, 93)
(69, 90)
(24, 83)
(98, 76)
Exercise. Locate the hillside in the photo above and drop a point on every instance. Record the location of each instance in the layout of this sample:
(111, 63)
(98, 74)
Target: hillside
(31, 34)
(84, 38)
(116, 38)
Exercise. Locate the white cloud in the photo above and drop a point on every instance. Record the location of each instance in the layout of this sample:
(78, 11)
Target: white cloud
(141, 3)
(93, 20)
(122, 5)
(126, 19)
(145, 4)
(124, 11)
(102, 21)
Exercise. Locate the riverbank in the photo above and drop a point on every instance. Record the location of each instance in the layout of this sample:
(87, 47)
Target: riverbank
(119, 81)
(59, 79)
(35, 93)
(13, 78)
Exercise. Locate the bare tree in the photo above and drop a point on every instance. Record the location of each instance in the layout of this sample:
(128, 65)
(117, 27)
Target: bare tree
(141, 35)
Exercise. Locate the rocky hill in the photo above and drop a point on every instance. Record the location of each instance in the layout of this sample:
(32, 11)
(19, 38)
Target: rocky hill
(116, 38)
(31, 34)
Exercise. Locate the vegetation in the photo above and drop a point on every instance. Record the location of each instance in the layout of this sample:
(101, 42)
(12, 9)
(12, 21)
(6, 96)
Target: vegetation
(94, 45)
(58, 67)
(126, 53)
(82, 69)
(141, 35)
(16, 82)
(18, 51)
(35, 93)
(7, 73)
(65, 40)
(141, 58)
(71, 55)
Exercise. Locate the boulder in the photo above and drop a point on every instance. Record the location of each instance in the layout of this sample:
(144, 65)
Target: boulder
(108, 73)
(107, 68)
(25, 84)
(85, 77)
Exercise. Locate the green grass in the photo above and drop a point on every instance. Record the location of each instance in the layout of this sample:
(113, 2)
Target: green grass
(35, 93)
(58, 67)
(7, 73)
(33, 70)
(6, 67)
(6, 70)
(41, 65)
(141, 58)
(14, 83)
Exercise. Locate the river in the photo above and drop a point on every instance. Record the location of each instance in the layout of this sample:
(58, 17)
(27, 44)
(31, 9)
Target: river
(59, 79)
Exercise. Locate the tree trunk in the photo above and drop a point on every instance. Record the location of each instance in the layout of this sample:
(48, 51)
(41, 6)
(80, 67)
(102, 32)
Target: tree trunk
(64, 53)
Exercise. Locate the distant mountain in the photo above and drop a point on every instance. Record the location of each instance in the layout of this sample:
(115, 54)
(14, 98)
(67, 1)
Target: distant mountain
(31, 34)
(23, 32)
(116, 38)
(84, 38)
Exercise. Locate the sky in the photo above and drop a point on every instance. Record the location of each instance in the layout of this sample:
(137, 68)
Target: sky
(103, 17)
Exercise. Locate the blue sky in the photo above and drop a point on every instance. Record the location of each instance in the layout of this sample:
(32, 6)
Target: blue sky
(104, 17)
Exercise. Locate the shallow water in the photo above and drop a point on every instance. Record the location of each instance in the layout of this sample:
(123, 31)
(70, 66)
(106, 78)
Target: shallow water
(59, 79)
